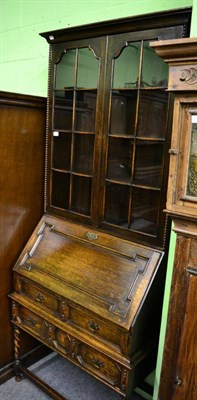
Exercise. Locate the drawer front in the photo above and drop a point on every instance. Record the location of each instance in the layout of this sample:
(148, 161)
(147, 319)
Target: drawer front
(78, 319)
(94, 326)
(99, 364)
(40, 296)
(31, 322)
(88, 358)
(92, 360)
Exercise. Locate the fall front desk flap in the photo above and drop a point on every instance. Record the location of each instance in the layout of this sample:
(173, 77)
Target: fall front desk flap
(102, 273)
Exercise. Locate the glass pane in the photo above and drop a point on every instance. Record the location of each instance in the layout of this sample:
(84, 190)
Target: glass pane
(120, 159)
(154, 69)
(65, 71)
(117, 204)
(85, 111)
(123, 110)
(63, 108)
(192, 171)
(87, 69)
(126, 67)
(145, 206)
(81, 194)
(152, 114)
(61, 150)
(148, 165)
(83, 153)
(60, 189)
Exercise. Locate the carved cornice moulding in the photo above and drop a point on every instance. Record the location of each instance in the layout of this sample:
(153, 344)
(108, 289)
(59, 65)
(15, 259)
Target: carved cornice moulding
(176, 51)
(181, 56)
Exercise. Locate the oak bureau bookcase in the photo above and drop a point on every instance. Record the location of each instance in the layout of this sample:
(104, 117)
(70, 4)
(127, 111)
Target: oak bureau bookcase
(89, 282)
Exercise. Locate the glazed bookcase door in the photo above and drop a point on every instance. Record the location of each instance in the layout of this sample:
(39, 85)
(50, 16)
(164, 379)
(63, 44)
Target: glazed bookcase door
(136, 139)
(75, 126)
(109, 134)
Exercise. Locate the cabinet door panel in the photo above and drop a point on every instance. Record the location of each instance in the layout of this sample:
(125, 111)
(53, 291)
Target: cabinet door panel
(152, 114)
(83, 154)
(186, 371)
(145, 210)
(136, 138)
(126, 67)
(117, 204)
(87, 68)
(74, 125)
(154, 70)
(180, 351)
(60, 190)
(65, 70)
(120, 159)
(62, 151)
(81, 194)
(148, 163)
(63, 110)
(123, 111)
(85, 111)
(108, 93)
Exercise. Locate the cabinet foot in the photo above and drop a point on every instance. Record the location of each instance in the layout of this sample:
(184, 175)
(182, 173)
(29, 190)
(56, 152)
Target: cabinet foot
(18, 377)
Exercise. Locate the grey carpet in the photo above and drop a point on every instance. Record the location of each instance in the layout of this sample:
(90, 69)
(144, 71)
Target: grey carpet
(66, 378)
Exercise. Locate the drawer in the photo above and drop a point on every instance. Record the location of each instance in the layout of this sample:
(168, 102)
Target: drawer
(94, 326)
(75, 317)
(41, 297)
(91, 360)
(98, 364)
(41, 328)
(31, 322)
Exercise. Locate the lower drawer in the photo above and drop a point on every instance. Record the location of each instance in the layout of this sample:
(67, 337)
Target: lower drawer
(31, 322)
(70, 314)
(90, 359)
(95, 362)
(98, 364)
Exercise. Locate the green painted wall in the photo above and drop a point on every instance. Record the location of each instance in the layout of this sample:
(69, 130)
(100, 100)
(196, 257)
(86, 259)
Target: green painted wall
(24, 59)
(193, 32)
(24, 54)
(164, 314)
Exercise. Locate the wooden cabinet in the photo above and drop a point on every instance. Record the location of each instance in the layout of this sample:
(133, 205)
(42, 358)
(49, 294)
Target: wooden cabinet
(107, 153)
(89, 282)
(180, 351)
(80, 295)
(22, 130)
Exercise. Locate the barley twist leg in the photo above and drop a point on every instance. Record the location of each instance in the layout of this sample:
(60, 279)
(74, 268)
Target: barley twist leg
(18, 374)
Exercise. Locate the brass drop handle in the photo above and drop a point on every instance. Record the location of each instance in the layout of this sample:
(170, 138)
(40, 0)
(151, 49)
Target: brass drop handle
(98, 363)
(93, 326)
(39, 298)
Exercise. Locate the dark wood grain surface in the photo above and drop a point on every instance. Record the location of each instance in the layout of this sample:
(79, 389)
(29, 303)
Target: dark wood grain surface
(22, 132)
